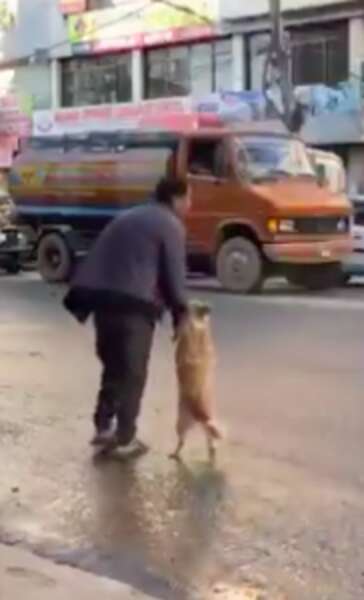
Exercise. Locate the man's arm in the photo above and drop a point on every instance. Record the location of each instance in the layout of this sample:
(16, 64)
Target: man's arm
(173, 272)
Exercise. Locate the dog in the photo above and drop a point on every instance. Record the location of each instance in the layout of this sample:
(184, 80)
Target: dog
(195, 360)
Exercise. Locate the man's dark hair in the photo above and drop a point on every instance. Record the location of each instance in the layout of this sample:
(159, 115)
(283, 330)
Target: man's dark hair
(169, 188)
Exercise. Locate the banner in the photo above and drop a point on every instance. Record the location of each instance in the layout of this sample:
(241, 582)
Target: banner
(7, 15)
(112, 117)
(137, 25)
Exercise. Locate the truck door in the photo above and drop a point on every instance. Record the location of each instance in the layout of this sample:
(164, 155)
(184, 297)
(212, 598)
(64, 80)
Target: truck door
(209, 173)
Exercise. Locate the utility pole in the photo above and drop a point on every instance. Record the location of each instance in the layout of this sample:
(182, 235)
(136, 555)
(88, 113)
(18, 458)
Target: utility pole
(277, 73)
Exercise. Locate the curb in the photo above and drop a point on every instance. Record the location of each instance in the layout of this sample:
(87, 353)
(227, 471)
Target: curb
(24, 575)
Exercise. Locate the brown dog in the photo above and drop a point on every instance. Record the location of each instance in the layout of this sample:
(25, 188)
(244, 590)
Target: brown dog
(195, 363)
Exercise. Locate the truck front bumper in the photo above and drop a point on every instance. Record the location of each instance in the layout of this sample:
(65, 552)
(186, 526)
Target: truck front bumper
(13, 244)
(330, 251)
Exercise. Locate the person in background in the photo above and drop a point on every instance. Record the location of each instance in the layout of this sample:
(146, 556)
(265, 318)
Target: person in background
(134, 271)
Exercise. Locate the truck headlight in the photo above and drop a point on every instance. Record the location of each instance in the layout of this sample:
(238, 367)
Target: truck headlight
(281, 226)
(343, 225)
(22, 240)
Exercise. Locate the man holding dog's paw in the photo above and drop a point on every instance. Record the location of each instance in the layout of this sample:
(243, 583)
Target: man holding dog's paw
(135, 269)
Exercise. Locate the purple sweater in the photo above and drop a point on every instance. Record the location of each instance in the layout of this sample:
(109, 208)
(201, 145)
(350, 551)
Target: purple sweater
(138, 264)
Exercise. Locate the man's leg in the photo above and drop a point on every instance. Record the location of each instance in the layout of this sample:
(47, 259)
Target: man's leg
(106, 352)
(134, 352)
(123, 346)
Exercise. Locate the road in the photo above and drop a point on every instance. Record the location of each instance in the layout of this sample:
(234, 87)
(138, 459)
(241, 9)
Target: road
(284, 508)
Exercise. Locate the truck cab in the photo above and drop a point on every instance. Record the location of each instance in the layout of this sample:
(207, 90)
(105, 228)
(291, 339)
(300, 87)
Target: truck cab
(259, 210)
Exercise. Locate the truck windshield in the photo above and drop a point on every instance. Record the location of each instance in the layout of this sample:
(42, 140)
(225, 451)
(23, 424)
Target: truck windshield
(262, 157)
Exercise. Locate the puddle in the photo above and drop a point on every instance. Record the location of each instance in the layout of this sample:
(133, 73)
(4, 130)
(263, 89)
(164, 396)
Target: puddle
(223, 591)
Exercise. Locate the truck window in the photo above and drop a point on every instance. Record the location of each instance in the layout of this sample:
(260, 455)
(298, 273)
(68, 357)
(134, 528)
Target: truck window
(207, 158)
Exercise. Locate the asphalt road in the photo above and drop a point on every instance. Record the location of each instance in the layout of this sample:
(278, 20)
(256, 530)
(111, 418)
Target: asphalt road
(284, 509)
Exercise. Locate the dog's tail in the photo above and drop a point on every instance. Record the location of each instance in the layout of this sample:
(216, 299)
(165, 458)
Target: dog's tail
(214, 429)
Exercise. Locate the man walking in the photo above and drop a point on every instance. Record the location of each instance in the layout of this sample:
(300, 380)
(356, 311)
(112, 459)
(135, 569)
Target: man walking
(135, 269)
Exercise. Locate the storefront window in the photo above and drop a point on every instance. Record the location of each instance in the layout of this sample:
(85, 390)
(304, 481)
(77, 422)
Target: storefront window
(258, 45)
(196, 69)
(201, 69)
(96, 80)
(223, 65)
(320, 55)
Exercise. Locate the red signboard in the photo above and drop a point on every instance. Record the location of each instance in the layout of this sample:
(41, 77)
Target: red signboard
(71, 7)
(145, 40)
(8, 145)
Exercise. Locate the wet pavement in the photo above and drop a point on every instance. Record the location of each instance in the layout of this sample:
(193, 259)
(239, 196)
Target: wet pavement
(282, 512)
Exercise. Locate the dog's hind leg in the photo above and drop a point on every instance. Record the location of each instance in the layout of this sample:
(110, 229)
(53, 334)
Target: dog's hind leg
(213, 435)
(176, 455)
(184, 424)
(211, 446)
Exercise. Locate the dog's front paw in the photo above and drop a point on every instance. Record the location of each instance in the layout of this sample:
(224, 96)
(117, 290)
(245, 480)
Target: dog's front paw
(175, 456)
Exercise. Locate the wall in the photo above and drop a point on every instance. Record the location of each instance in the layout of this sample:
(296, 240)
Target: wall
(356, 170)
(356, 46)
(233, 9)
(38, 24)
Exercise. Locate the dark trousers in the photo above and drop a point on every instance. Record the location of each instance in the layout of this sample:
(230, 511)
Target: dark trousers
(123, 343)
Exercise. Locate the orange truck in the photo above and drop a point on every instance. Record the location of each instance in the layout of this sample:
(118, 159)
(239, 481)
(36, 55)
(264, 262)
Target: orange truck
(258, 208)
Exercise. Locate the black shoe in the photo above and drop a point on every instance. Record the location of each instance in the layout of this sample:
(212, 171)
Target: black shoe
(105, 438)
(134, 448)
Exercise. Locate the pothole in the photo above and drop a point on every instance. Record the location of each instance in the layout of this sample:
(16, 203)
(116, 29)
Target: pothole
(10, 430)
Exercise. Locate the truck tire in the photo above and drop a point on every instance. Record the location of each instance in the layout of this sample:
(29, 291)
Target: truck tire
(54, 258)
(239, 266)
(316, 278)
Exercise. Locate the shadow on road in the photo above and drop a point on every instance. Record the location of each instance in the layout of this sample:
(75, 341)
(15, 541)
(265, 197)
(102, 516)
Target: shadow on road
(276, 289)
(166, 518)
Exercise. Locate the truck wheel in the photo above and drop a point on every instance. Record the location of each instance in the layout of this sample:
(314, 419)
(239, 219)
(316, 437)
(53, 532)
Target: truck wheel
(54, 258)
(316, 277)
(239, 266)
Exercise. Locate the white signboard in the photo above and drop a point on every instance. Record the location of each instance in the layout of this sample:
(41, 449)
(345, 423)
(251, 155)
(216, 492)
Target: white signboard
(107, 117)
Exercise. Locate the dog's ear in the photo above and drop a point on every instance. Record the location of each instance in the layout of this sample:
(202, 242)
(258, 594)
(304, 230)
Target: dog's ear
(205, 310)
(199, 309)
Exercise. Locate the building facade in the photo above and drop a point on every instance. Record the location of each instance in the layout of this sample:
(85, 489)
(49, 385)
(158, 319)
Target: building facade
(90, 59)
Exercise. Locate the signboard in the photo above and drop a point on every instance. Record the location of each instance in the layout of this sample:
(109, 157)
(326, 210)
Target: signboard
(112, 117)
(69, 7)
(143, 25)
(8, 145)
(15, 115)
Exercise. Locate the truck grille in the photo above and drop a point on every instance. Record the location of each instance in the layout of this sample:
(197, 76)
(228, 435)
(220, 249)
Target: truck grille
(322, 225)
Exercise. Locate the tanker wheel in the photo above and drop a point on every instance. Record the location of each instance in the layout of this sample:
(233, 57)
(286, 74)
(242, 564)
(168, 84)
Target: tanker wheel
(54, 258)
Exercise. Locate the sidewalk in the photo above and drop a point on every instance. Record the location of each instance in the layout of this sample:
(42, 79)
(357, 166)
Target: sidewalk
(23, 575)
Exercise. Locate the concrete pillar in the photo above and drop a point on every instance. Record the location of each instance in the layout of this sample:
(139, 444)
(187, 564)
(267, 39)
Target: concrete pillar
(55, 84)
(137, 75)
(356, 46)
(239, 60)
